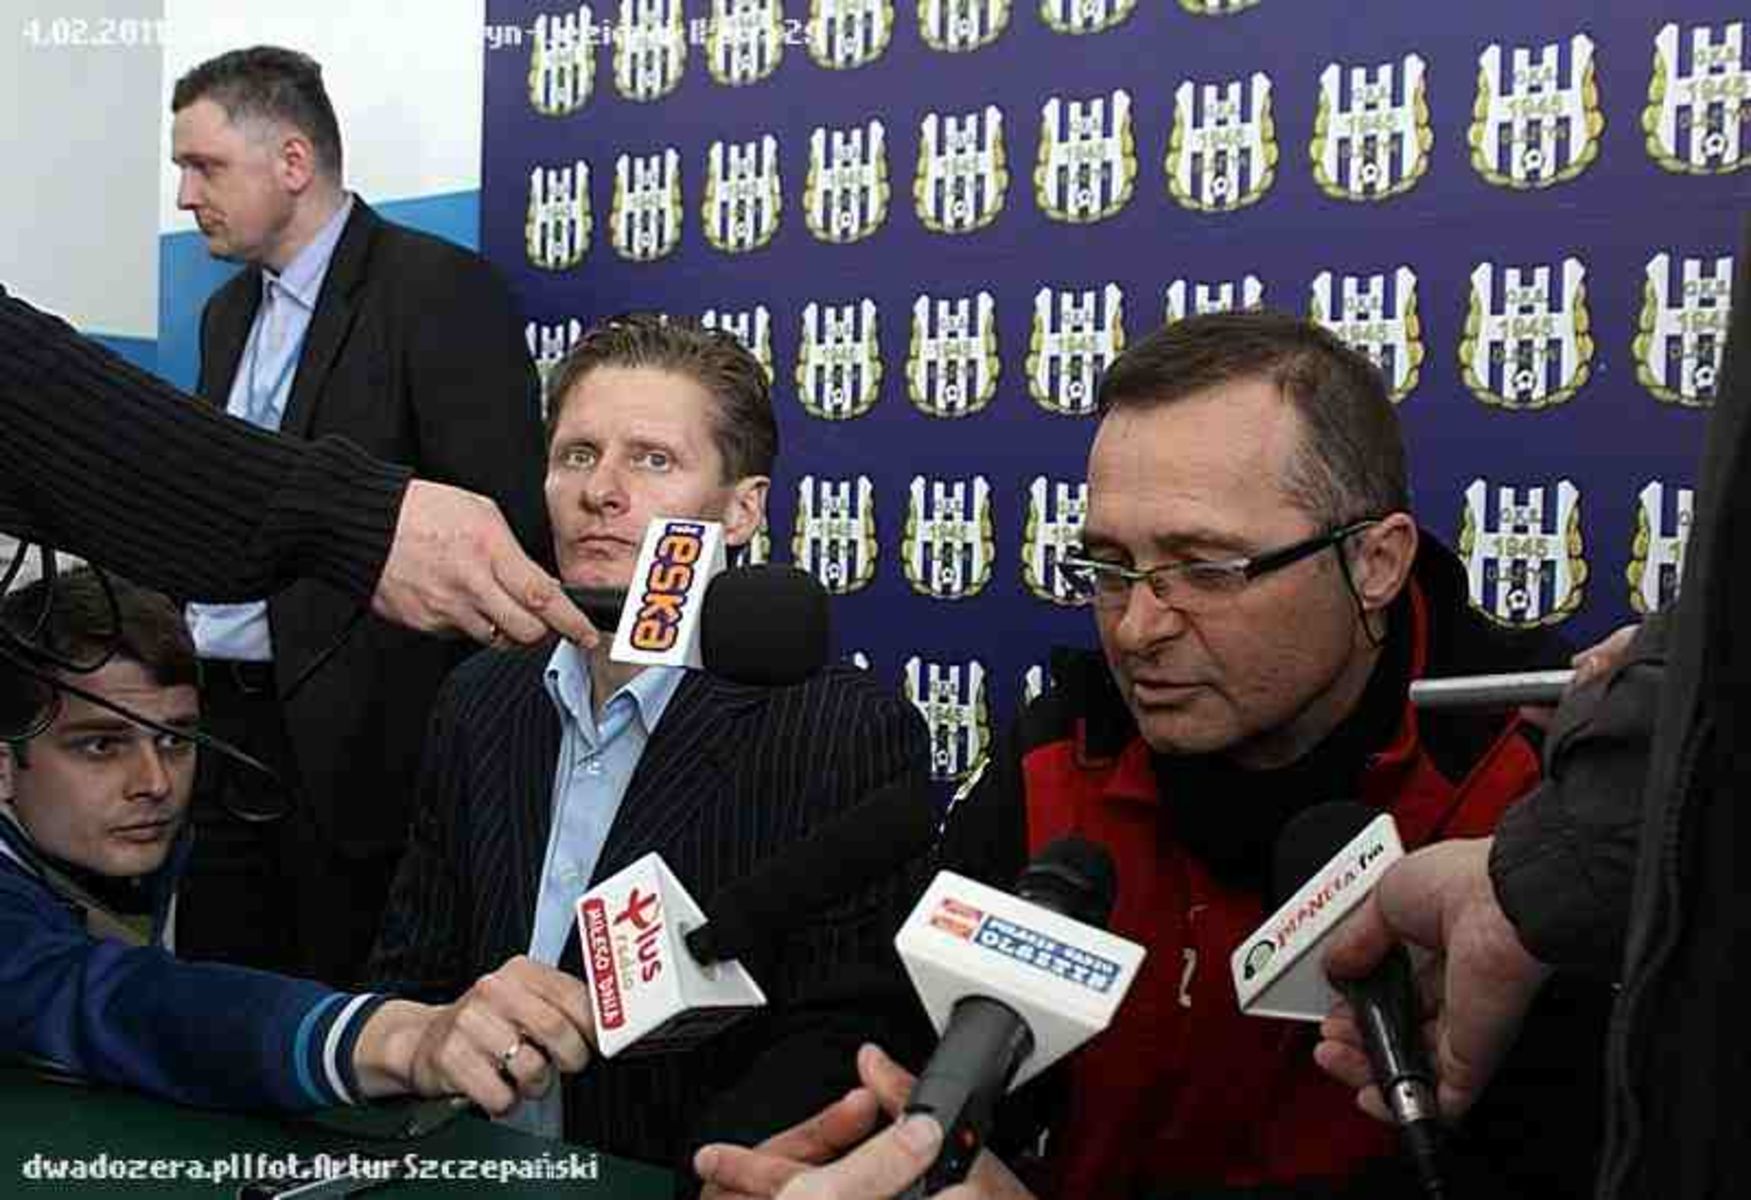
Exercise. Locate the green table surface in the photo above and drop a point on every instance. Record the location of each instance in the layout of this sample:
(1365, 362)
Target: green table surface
(48, 1127)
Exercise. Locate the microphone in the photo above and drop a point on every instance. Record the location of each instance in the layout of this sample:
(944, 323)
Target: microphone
(1385, 1001)
(1491, 691)
(662, 976)
(1013, 983)
(861, 846)
(763, 625)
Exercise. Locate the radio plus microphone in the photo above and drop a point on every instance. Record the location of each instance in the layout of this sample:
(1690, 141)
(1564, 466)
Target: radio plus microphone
(765, 625)
(663, 976)
(1012, 983)
(1324, 847)
(1491, 691)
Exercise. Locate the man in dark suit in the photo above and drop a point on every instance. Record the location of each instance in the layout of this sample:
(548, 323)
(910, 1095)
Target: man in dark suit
(407, 346)
(548, 769)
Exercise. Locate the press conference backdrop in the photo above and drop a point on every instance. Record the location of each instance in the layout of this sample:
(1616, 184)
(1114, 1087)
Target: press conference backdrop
(937, 220)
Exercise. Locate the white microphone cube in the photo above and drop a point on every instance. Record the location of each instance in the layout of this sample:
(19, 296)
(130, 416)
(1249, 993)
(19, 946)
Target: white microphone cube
(1064, 978)
(660, 622)
(1279, 971)
(647, 994)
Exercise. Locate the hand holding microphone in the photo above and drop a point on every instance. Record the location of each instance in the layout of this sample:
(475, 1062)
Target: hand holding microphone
(499, 1043)
(1536, 693)
(1014, 983)
(1476, 988)
(827, 1157)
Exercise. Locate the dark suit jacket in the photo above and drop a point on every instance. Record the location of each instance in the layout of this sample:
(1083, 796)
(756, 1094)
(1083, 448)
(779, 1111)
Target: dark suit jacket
(415, 353)
(730, 776)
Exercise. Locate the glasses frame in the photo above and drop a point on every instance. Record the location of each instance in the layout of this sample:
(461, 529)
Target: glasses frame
(1247, 568)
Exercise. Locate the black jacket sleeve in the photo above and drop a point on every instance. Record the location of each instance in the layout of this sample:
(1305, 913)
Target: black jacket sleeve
(1564, 858)
(102, 459)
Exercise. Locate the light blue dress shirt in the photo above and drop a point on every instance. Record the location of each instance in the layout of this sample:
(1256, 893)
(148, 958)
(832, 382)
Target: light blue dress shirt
(596, 764)
(259, 394)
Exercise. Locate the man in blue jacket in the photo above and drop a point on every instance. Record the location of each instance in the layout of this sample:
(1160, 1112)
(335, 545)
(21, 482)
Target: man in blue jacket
(96, 772)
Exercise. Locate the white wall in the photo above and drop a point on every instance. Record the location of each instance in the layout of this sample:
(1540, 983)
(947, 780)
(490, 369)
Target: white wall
(79, 137)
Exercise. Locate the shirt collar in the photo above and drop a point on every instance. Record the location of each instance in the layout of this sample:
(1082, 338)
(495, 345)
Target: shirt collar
(567, 680)
(302, 277)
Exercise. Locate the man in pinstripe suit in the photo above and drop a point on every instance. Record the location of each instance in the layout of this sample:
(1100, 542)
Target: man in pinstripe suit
(553, 767)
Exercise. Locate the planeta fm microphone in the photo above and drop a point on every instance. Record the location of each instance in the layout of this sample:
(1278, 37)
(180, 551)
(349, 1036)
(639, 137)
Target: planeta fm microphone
(1384, 1001)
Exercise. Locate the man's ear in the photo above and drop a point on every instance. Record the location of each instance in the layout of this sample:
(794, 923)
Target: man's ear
(7, 786)
(1381, 557)
(746, 509)
(295, 161)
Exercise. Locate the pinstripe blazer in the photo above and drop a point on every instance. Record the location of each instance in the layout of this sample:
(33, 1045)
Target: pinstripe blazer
(730, 775)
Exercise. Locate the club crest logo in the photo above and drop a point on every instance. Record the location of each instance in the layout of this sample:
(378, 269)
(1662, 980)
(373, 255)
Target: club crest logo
(1056, 509)
(1678, 345)
(562, 62)
(952, 367)
(742, 194)
(846, 34)
(962, 175)
(1373, 143)
(1196, 299)
(1084, 16)
(1036, 681)
(557, 222)
(1527, 569)
(847, 189)
(744, 40)
(1377, 317)
(1075, 335)
(1222, 154)
(839, 365)
(752, 327)
(959, 26)
(1216, 8)
(1528, 351)
(1695, 121)
(835, 534)
(650, 48)
(1535, 124)
(951, 697)
(949, 537)
(644, 223)
(547, 345)
(1656, 563)
(1087, 165)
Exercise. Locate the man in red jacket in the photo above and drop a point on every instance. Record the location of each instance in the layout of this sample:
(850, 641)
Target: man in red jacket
(1262, 597)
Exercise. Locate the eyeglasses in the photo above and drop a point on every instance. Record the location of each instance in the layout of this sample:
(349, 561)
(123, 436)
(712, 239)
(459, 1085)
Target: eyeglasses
(1192, 587)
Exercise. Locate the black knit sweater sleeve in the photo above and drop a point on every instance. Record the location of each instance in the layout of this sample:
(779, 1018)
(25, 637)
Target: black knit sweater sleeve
(1563, 862)
(104, 460)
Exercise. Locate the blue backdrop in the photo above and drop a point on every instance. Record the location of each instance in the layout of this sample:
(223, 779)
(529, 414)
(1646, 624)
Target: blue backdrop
(936, 220)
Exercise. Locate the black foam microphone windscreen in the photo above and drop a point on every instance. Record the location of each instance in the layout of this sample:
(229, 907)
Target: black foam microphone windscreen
(764, 625)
